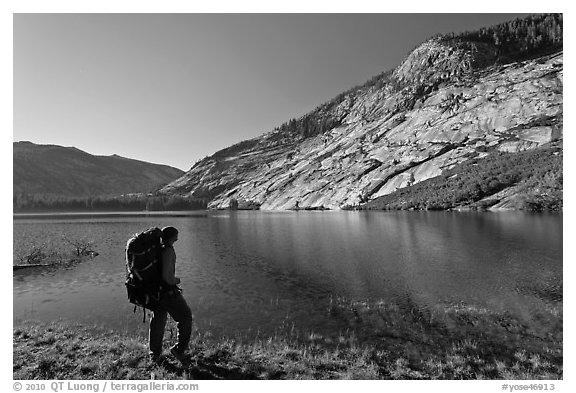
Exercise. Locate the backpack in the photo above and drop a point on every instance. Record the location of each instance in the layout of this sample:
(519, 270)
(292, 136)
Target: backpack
(143, 269)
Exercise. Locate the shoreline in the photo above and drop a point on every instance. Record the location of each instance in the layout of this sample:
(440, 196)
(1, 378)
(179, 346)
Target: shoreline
(66, 215)
(383, 342)
(206, 212)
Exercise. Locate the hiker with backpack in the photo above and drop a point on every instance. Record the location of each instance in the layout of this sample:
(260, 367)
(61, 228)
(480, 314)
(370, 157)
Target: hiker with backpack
(171, 302)
(151, 284)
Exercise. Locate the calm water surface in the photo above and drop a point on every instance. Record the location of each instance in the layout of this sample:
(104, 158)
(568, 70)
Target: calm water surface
(248, 272)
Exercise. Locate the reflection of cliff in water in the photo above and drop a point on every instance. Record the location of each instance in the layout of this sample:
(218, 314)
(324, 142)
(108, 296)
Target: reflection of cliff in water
(256, 272)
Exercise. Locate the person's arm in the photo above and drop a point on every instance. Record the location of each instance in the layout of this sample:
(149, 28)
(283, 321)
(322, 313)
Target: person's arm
(169, 266)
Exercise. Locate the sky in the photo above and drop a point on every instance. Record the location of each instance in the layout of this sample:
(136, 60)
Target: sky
(174, 88)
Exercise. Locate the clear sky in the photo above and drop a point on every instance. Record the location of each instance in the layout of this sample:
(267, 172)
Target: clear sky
(174, 88)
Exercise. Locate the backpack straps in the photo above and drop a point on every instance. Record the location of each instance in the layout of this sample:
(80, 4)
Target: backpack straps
(129, 263)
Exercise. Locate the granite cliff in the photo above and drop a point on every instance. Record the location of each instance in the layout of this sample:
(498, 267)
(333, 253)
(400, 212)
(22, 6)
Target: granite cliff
(451, 100)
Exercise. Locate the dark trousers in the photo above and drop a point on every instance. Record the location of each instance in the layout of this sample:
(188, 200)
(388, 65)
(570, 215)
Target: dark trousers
(178, 309)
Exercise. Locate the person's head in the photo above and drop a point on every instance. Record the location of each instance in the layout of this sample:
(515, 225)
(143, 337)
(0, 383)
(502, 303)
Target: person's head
(169, 235)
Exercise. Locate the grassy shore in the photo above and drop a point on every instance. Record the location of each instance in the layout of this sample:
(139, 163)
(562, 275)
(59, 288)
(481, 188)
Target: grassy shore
(383, 342)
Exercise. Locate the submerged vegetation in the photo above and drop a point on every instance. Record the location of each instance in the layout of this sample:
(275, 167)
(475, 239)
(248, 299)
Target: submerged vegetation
(45, 255)
(382, 342)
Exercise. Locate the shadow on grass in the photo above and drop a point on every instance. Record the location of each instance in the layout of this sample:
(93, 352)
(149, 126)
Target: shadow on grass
(382, 341)
(456, 341)
(213, 367)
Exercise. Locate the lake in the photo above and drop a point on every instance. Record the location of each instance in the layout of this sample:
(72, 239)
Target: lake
(250, 273)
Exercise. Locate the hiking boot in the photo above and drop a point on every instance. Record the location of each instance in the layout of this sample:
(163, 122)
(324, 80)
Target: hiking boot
(180, 356)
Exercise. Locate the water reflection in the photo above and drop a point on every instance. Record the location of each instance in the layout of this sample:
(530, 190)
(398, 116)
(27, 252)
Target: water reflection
(249, 271)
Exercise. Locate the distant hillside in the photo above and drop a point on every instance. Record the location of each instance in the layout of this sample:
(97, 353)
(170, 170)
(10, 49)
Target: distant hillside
(483, 98)
(70, 172)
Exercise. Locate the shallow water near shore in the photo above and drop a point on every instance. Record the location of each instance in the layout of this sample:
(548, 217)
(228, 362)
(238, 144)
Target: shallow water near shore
(259, 273)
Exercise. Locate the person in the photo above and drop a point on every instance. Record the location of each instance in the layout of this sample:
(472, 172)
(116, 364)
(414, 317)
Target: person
(171, 302)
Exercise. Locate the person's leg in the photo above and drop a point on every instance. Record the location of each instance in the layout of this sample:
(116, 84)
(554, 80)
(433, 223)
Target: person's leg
(181, 313)
(156, 332)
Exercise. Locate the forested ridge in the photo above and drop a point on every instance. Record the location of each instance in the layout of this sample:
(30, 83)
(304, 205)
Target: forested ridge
(453, 89)
(516, 40)
(536, 173)
(23, 202)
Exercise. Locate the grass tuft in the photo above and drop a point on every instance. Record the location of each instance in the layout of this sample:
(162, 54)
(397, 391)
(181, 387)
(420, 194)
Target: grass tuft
(383, 341)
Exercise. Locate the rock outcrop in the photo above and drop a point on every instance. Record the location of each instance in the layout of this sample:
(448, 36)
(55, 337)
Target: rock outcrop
(440, 107)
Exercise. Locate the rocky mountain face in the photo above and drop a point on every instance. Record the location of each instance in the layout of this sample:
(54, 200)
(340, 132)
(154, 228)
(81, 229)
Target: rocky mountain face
(448, 102)
(67, 171)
